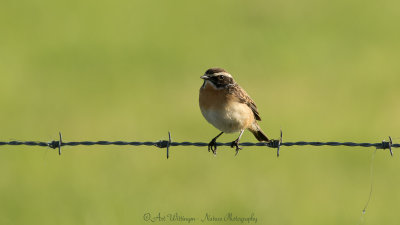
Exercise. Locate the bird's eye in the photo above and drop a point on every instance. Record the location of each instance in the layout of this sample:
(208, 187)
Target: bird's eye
(220, 77)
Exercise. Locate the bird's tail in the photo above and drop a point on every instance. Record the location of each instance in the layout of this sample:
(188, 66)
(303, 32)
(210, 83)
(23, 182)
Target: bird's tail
(258, 133)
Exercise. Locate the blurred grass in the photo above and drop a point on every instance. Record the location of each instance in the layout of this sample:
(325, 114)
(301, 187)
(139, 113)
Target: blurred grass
(129, 70)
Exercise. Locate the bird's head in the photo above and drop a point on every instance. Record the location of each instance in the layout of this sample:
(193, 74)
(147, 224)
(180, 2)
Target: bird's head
(218, 77)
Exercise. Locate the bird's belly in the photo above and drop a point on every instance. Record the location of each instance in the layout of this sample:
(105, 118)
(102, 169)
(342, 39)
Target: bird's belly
(229, 118)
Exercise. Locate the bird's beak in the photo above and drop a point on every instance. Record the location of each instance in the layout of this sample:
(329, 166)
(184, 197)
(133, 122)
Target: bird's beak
(204, 77)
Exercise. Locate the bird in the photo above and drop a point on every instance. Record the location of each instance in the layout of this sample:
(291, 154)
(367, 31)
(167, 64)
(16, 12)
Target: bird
(228, 107)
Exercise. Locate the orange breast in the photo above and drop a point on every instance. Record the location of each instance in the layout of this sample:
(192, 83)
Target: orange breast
(211, 97)
(223, 110)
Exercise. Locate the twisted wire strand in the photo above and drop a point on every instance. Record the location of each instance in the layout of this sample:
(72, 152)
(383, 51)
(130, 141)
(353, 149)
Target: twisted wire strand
(168, 143)
(162, 143)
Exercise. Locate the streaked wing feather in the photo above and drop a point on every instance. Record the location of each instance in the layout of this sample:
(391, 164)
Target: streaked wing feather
(243, 97)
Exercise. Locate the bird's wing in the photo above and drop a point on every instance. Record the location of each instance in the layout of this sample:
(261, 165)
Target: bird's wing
(243, 97)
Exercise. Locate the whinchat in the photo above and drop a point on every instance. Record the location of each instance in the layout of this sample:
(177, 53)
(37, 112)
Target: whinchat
(228, 107)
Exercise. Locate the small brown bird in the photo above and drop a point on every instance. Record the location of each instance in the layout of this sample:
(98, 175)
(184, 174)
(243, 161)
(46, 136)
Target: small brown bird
(228, 107)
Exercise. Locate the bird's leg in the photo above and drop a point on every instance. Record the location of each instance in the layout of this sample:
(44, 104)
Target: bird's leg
(213, 144)
(236, 142)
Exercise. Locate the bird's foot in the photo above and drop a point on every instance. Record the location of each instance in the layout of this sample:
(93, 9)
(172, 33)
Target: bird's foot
(236, 144)
(213, 146)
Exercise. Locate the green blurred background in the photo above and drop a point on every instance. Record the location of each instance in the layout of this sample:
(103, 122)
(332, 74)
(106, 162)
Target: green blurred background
(129, 70)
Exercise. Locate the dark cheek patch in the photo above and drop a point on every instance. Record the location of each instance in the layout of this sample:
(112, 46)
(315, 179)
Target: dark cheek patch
(221, 82)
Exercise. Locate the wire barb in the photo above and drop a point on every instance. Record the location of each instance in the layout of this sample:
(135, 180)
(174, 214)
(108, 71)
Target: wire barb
(165, 143)
(169, 143)
(56, 144)
(276, 144)
(387, 145)
(161, 144)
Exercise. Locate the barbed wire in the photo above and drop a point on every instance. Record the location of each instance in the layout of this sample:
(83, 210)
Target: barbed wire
(57, 144)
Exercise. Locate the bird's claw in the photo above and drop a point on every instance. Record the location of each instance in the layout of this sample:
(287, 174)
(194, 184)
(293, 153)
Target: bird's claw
(213, 146)
(236, 144)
